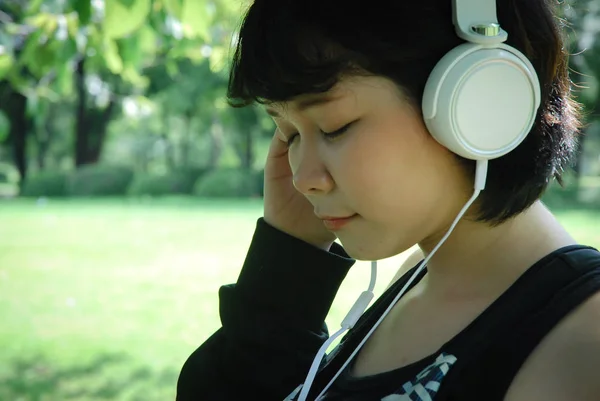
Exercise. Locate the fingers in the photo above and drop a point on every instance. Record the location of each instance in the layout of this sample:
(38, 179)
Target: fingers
(278, 147)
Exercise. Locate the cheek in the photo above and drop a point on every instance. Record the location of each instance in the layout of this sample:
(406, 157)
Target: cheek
(387, 164)
(395, 175)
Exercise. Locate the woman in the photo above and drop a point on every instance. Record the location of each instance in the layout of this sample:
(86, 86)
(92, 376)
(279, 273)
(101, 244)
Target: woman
(508, 308)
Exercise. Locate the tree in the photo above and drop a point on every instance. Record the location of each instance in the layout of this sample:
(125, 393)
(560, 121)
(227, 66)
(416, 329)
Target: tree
(94, 52)
(584, 20)
(190, 90)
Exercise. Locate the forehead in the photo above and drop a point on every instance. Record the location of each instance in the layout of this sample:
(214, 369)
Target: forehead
(362, 89)
(303, 102)
(349, 86)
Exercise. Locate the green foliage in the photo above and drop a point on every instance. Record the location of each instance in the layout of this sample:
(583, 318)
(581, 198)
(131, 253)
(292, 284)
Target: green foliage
(83, 10)
(46, 183)
(4, 126)
(194, 11)
(6, 62)
(260, 182)
(8, 174)
(177, 182)
(227, 183)
(114, 43)
(559, 197)
(123, 17)
(194, 88)
(43, 40)
(100, 180)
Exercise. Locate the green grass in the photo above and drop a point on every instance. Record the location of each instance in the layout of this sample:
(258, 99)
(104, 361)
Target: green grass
(105, 299)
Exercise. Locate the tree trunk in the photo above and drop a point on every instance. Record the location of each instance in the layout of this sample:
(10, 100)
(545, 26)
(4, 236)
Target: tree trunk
(19, 126)
(97, 129)
(44, 134)
(186, 140)
(165, 136)
(43, 144)
(81, 126)
(90, 124)
(249, 150)
(216, 143)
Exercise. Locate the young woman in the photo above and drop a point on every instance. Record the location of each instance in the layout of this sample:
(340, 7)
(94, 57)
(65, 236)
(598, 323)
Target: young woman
(507, 307)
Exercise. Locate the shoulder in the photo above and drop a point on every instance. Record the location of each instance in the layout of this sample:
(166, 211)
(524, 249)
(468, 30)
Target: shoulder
(565, 364)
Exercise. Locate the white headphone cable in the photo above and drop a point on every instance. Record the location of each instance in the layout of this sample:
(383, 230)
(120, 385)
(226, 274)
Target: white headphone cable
(349, 321)
(363, 301)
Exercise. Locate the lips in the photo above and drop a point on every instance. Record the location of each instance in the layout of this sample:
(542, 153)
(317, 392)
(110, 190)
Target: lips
(334, 217)
(336, 223)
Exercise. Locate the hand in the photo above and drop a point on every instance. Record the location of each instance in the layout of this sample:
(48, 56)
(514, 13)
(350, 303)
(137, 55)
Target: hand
(284, 207)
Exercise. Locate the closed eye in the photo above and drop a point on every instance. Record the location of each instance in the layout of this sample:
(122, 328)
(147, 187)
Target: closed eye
(328, 135)
(338, 132)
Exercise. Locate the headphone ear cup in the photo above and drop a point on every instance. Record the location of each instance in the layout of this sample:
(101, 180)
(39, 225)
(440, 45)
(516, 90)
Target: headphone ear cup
(481, 102)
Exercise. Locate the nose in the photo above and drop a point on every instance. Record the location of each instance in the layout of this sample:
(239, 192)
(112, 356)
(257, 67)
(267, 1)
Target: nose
(311, 175)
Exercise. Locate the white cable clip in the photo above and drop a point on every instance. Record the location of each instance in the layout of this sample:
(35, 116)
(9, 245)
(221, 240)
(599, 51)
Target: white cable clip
(357, 309)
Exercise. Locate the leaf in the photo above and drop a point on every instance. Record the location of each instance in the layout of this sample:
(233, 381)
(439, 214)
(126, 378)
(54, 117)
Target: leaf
(44, 58)
(6, 62)
(195, 19)
(12, 29)
(112, 57)
(31, 44)
(132, 75)
(122, 18)
(43, 21)
(4, 126)
(32, 105)
(68, 50)
(34, 7)
(218, 59)
(84, 11)
(174, 7)
(186, 48)
(171, 67)
(19, 82)
(128, 3)
(146, 39)
(64, 81)
(73, 24)
(130, 51)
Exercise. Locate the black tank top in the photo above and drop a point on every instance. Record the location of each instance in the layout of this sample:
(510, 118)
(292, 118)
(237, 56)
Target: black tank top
(481, 361)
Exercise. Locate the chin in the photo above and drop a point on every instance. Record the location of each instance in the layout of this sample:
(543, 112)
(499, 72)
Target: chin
(366, 253)
(366, 249)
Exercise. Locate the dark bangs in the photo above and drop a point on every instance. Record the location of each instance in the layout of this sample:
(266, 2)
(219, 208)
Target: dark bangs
(288, 48)
(281, 54)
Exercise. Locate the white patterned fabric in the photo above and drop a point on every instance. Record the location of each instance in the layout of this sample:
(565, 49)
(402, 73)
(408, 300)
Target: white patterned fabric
(423, 387)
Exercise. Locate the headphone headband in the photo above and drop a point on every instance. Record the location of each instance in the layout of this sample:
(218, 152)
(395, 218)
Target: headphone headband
(472, 14)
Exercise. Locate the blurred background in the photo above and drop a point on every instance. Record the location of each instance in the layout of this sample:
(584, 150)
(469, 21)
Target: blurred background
(129, 191)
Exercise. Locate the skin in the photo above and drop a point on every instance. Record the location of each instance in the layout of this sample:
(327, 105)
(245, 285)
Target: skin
(404, 188)
(368, 169)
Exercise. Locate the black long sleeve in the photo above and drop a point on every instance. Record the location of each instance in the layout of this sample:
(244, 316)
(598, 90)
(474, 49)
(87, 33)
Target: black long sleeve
(273, 321)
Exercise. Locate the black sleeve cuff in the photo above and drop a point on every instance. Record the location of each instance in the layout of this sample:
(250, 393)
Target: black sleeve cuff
(290, 277)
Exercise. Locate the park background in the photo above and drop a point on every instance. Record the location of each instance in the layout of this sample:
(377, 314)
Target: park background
(129, 191)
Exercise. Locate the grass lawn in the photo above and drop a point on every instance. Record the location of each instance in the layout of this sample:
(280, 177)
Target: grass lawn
(105, 299)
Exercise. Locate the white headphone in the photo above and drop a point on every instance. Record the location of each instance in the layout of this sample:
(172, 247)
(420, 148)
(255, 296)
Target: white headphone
(480, 101)
(482, 97)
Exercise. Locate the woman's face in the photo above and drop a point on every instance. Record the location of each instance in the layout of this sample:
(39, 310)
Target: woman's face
(382, 166)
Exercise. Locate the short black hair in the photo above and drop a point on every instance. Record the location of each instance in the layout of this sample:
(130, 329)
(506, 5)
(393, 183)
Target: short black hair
(288, 48)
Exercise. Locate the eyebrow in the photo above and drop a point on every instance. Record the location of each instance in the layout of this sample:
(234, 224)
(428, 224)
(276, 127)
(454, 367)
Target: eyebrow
(303, 104)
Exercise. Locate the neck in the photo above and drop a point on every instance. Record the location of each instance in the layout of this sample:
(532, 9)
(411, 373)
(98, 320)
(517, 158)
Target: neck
(478, 259)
